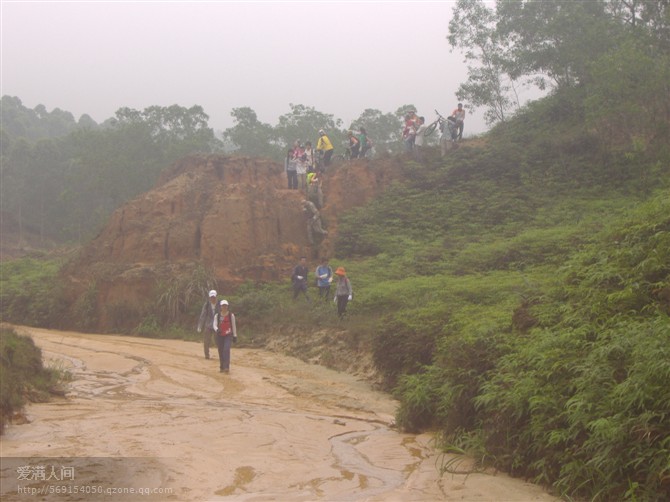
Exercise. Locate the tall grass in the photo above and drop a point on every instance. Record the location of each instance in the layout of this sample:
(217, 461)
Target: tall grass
(23, 377)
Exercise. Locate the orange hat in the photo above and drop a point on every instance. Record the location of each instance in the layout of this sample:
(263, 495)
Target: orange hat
(340, 271)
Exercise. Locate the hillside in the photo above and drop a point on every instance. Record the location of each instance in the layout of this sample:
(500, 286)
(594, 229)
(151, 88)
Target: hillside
(225, 220)
(514, 295)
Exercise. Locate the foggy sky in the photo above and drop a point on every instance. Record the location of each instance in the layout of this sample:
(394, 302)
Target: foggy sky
(338, 57)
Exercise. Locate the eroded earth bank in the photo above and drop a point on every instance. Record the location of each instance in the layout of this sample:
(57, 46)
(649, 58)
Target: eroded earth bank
(275, 428)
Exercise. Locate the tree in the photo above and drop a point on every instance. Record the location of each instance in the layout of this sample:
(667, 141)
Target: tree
(629, 96)
(553, 39)
(45, 187)
(650, 16)
(250, 136)
(86, 121)
(179, 131)
(473, 29)
(303, 123)
(384, 129)
(15, 181)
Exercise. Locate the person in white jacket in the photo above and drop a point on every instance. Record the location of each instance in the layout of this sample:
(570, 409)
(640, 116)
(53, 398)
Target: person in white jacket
(207, 314)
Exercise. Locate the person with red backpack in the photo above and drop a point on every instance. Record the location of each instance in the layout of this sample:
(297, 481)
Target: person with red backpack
(226, 334)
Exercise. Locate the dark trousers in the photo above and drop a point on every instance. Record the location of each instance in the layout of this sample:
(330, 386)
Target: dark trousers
(342, 301)
(459, 129)
(292, 180)
(324, 291)
(207, 339)
(224, 343)
(300, 288)
(326, 157)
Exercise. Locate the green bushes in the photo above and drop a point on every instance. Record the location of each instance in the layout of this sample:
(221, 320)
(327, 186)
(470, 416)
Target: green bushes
(582, 402)
(526, 319)
(22, 375)
(29, 292)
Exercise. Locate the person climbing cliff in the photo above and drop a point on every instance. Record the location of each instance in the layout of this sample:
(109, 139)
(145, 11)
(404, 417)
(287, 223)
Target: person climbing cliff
(313, 221)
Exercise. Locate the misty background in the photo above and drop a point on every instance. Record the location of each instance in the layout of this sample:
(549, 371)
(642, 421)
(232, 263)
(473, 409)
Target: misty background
(338, 57)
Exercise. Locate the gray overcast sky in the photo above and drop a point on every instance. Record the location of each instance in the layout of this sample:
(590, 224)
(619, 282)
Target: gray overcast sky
(95, 57)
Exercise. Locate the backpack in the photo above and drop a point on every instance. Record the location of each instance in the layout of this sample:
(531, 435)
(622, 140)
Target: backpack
(230, 322)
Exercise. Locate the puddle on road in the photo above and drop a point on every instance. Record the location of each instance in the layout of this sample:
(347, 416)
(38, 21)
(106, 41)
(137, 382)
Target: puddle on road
(243, 476)
(275, 428)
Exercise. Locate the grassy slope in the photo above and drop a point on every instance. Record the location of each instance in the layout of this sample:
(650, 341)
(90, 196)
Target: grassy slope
(524, 294)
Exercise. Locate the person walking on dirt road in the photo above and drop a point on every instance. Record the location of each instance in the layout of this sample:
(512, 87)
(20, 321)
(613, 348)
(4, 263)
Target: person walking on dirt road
(207, 314)
(226, 334)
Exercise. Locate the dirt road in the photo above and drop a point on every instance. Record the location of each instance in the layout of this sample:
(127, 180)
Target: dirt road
(154, 418)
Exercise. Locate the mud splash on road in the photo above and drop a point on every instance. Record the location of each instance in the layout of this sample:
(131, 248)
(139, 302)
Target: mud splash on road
(155, 415)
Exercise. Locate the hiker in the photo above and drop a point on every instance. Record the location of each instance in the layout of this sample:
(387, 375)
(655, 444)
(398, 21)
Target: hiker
(459, 115)
(343, 292)
(446, 130)
(207, 314)
(299, 279)
(226, 334)
(365, 142)
(409, 132)
(324, 276)
(291, 173)
(324, 148)
(419, 138)
(300, 164)
(354, 145)
(314, 192)
(313, 221)
(309, 157)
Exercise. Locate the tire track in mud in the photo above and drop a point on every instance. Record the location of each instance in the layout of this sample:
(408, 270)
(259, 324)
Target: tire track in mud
(91, 384)
(275, 428)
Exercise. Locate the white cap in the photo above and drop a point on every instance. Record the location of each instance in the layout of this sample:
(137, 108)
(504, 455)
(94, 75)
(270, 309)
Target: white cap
(223, 302)
(212, 293)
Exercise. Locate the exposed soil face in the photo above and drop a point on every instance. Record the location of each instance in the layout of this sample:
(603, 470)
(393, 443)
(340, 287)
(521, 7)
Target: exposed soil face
(275, 428)
(233, 215)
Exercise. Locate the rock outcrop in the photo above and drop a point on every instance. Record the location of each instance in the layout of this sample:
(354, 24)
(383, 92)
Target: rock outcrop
(233, 216)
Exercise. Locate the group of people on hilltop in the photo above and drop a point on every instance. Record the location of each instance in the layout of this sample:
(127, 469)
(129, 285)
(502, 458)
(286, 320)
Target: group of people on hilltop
(359, 143)
(324, 277)
(305, 167)
(301, 160)
(414, 131)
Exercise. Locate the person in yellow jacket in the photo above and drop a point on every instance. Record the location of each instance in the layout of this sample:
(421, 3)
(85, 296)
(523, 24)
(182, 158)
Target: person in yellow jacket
(324, 148)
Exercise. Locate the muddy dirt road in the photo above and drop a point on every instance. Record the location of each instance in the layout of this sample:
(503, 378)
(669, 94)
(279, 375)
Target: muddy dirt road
(155, 418)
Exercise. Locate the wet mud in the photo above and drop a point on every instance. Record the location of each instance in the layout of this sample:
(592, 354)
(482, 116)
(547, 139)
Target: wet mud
(155, 416)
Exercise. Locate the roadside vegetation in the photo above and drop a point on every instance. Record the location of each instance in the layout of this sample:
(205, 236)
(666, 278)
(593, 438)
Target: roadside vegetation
(23, 378)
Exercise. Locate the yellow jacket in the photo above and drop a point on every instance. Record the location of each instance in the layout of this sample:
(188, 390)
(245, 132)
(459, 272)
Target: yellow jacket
(324, 143)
